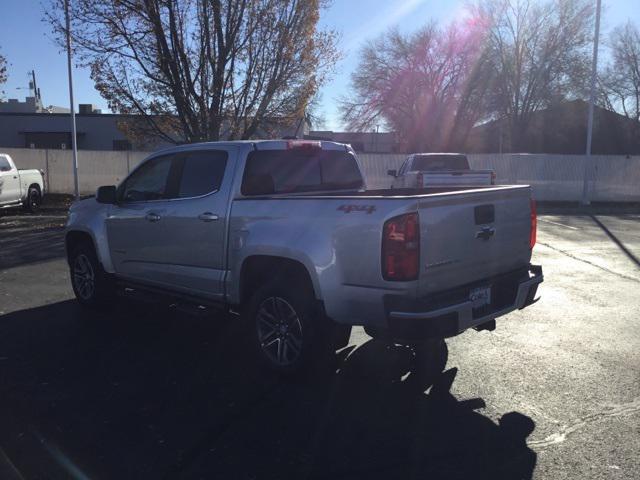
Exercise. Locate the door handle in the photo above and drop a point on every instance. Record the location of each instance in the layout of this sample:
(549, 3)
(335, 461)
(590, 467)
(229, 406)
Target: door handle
(486, 233)
(15, 176)
(208, 217)
(152, 217)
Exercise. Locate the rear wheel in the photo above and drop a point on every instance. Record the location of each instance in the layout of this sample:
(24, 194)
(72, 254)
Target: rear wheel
(93, 287)
(287, 331)
(33, 201)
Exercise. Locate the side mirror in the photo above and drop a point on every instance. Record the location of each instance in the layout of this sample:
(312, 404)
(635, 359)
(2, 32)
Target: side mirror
(106, 194)
(393, 173)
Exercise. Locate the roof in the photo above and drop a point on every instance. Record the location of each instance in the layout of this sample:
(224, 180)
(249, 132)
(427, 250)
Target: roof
(264, 144)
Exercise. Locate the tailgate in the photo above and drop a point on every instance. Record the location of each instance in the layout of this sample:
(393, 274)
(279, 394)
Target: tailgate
(470, 236)
(456, 178)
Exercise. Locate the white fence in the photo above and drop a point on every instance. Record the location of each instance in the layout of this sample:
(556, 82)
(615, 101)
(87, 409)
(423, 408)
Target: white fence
(613, 178)
(95, 168)
(553, 177)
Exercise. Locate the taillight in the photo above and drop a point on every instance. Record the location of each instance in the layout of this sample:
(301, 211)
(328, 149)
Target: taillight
(401, 248)
(304, 144)
(534, 224)
(493, 178)
(420, 180)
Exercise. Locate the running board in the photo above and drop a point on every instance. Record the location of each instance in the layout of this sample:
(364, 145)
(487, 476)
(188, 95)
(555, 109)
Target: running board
(12, 205)
(183, 302)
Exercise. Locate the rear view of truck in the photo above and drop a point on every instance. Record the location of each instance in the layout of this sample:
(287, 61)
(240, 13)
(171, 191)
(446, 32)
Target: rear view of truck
(469, 255)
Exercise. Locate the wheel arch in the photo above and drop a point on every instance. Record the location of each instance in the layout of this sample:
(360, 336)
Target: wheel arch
(36, 186)
(256, 270)
(73, 238)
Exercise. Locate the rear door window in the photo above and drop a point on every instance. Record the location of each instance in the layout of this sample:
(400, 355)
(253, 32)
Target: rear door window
(300, 170)
(426, 163)
(202, 172)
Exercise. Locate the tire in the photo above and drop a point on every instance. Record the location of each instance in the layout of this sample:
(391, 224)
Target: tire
(33, 201)
(287, 331)
(92, 286)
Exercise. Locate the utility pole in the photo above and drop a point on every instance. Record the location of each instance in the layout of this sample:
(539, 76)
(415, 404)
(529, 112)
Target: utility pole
(73, 111)
(588, 161)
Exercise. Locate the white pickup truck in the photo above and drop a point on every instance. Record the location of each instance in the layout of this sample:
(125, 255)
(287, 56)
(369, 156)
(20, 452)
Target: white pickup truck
(437, 170)
(20, 188)
(287, 234)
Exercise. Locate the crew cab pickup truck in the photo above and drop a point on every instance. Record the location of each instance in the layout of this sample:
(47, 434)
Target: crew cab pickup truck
(439, 169)
(20, 188)
(286, 234)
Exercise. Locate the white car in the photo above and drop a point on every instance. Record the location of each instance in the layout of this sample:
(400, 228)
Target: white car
(423, 170)
(20, 188)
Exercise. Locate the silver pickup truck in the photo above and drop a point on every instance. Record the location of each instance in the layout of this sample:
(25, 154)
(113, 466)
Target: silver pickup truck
(20, 188)
(286, 234)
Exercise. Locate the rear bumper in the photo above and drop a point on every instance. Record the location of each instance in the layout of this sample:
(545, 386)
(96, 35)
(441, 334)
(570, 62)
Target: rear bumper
(450, 313)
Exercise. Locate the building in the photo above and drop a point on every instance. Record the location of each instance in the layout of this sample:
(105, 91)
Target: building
(31, 104)
(95, 131)
(33, 127)
(562, 129)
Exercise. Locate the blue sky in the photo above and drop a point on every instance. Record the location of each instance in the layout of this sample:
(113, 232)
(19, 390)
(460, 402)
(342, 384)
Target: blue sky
(25, 43)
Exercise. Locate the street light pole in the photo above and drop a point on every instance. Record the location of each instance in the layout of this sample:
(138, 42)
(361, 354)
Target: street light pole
(72, 107)
(594, 72)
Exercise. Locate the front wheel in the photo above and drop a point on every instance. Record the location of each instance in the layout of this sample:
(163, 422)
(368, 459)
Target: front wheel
(286, 329)
(92, 286)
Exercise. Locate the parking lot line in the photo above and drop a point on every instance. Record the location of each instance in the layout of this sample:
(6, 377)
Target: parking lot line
(557, 223)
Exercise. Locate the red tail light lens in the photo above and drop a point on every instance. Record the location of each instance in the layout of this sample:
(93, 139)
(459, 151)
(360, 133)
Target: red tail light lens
(420, 180)
(304, 144)
(401, 248)
(534, 224)
(493, 178)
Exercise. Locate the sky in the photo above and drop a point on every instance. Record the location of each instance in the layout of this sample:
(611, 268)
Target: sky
(25, 42)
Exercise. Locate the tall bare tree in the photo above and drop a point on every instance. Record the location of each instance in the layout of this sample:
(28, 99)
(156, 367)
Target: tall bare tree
(539, 54)
(422, 85)
(3, 70)
(621, 79)
(202, 69)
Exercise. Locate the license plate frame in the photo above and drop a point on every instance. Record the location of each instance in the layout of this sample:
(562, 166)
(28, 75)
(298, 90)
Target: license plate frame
(480, 296)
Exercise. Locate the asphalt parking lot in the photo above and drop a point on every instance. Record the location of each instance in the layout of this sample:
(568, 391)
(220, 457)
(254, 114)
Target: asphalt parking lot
(552, 393)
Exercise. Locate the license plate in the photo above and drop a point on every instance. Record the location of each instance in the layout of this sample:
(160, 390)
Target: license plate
(480, 296)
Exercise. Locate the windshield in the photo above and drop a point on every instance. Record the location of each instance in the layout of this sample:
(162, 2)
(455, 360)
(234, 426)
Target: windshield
(430, 163)
(300, 170)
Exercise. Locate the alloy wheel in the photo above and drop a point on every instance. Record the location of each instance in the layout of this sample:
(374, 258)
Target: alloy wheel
(279, 331)
(84, 277)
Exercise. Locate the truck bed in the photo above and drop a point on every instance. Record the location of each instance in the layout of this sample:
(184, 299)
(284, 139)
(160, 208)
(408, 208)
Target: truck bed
(398, 193)
(339, 234)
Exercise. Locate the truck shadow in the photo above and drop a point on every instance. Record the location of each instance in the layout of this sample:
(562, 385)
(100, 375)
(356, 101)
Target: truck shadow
(616, 240)
(143, 393)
